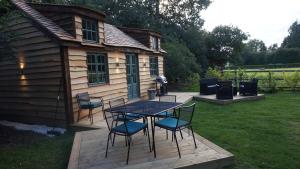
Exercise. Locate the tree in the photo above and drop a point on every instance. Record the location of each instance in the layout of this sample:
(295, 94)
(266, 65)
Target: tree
(195, 41)
(180, 61)
(225, 44)
(254, 52)
(293, 39)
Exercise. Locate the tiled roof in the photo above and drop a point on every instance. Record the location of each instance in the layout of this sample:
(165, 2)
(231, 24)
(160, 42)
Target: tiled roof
(43, 21)
(115, 37)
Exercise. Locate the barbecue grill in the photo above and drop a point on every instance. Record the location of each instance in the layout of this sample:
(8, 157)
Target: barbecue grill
(161, 85)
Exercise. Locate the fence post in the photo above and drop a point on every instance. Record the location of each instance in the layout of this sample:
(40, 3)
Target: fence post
(235, 77)
(270, 80)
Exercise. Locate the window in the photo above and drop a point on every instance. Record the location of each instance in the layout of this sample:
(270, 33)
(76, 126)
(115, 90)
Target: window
(90, 30)
(97, 68)
(153, 66)
(154, 42)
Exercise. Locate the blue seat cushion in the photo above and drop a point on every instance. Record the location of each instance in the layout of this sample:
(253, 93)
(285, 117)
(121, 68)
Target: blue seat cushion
(170, 123)
(132, 127)
(90, 104)
(165, 114)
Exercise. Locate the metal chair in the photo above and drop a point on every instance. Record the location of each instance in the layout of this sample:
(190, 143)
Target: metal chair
(129, 116)
(127, 129)
(84, 102)
(166, 98)
(182, 121)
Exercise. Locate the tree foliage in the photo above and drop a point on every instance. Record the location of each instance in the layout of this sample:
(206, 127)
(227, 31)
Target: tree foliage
(293, 39)
(180, 61)
(225, 44)
(254, 52)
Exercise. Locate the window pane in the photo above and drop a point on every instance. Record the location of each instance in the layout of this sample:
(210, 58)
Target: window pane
(90, 30)
(97, 68)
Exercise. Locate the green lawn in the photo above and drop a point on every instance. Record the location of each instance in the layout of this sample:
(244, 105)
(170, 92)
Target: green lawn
(261, 134)
(32, 151)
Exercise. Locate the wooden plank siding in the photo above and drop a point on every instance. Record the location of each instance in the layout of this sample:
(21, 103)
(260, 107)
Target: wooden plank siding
(117, 87)
(31, 97)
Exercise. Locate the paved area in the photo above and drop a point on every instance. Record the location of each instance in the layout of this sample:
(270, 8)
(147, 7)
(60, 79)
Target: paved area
(238, 98)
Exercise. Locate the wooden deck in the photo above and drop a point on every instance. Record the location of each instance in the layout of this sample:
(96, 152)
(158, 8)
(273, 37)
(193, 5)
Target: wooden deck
(88, 152)
(238, 98)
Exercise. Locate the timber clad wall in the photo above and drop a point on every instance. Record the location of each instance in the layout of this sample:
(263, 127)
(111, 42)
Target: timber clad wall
(117, 87)
(31, 97)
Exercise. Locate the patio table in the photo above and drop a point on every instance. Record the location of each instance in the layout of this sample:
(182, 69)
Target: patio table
(148, 109)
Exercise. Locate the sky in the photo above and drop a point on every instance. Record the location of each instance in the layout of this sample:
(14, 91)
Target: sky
(266, 20)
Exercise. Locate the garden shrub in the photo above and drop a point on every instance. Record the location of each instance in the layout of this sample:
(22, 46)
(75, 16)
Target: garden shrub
(292, 79)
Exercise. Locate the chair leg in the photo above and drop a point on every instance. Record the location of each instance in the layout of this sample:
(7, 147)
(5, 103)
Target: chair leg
(78, 116)
(91, 116)
(180, 133)
(148, 138)
(167, 134)
(129, 141)
(193, 136)
(109, 136)
(174, 133)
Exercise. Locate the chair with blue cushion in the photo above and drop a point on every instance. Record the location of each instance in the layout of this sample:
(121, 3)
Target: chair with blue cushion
(166, 98)
(181, 121)
(84, 102)
(129, 116)
(121, 102)
(165, 114)
(125, 128)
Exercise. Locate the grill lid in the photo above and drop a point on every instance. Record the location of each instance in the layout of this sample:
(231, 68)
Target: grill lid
(161, 79)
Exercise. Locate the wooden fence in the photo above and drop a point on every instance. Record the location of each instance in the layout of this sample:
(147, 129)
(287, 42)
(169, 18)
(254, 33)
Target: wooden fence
(268, 79)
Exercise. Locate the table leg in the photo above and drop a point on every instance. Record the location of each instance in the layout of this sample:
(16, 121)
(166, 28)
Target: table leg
(153, 140)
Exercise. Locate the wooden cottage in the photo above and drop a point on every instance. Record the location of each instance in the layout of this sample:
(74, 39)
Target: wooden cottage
(72, 50)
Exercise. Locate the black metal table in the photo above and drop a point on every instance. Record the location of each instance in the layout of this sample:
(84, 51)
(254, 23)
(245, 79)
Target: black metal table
(148, 109)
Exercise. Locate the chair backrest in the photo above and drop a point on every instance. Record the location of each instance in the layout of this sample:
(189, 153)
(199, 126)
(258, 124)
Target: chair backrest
(167, 98)
(111, 119)
(117, 102)
(82, 98)
(186, 113)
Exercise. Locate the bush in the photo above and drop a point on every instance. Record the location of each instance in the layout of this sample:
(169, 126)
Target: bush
(292, 80)
(213, 73)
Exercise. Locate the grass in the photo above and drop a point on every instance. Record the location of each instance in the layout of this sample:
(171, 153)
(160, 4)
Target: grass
(261, 134)
(35, 151)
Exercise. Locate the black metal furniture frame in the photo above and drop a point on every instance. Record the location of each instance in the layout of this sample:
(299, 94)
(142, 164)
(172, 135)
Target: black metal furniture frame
(182, 121)
(147, 108)
(123, 130)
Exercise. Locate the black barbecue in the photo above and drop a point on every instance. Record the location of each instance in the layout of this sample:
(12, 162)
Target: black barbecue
(161, 85)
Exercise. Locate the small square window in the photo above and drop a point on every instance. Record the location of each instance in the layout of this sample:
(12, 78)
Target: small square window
(97, 68)
(154, 43)
(90, 30)
(153, 60)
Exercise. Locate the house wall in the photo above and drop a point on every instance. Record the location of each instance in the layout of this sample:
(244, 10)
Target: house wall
(31, 96)
(117, 87)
